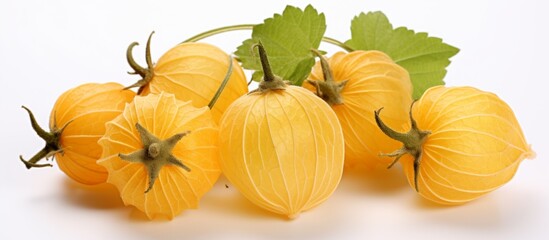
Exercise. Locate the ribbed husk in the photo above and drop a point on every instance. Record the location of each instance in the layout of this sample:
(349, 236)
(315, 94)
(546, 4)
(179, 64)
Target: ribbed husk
(374, 81)
(194, 72)
(282, 149)
(475, 145)
(175, 189)
(87, 107)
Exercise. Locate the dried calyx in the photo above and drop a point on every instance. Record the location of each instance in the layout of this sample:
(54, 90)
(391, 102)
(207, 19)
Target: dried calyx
(270, 81)
(413, 141)
(146, 73)
(155, 153)
(52, 142)
(329, 90)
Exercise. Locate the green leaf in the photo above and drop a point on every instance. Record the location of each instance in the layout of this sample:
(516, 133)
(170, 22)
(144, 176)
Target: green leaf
(425, 58)
(288, 40)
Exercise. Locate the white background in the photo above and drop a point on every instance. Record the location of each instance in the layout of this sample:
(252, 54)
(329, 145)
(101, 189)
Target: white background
(47, 47)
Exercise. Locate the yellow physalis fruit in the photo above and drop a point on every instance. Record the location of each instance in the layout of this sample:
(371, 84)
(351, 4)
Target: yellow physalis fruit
(162, 154)
(355, 84)
(193, 72)
(77, 121)
(281, 146)
(463, 143)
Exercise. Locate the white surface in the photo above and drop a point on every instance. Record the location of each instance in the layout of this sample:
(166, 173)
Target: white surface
(47, 47)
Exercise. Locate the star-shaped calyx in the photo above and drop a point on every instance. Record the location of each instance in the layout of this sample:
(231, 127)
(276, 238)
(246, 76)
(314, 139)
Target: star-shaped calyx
(413, 142)
(51, 138)
(155, 153)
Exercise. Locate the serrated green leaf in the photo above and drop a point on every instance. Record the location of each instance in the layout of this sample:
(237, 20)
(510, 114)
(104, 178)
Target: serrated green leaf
(288, 40)
(425, 58)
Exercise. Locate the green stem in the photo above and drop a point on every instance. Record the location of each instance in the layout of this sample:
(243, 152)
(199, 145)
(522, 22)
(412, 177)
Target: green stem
(270, 81)
(326, 70)
(146, 74)
(48, 137)
(231, 28)
(216, 31)
(268, 75)
(329, 90)
(337, 43)
(413, 142)
(223, 84)
(52, 142)
(401, 137)
(148, 57)
(133, 64)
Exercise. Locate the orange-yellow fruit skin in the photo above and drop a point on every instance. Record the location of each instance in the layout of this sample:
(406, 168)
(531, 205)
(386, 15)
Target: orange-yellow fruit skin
(175, 189)
(374, 81)
(475, 145)
(87, 107)
(282, 149)
(194, 72)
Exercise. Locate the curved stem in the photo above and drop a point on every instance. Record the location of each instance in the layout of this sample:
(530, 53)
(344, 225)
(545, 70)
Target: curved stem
(216, 31)
(223, 84)
(329, 90)
(48, 137)
(326, 70)
(51, 139)
(337, 43)
(133, 64)
(148, 58)
(146, 74)
(412, 120)
(238, 27)
(387, 130)
(413, 142)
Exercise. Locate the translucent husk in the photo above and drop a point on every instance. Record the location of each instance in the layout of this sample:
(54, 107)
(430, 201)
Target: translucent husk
(147, 74)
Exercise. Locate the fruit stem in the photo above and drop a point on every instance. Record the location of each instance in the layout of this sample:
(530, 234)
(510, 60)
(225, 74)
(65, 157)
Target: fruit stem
(216, 31)
(329, 90)
(268, 75)
(223, 84)
(146, 73)
(48, 137)
(52, 143)
(133, 64)
(326, 70)
(413, 141)
(270, 81)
